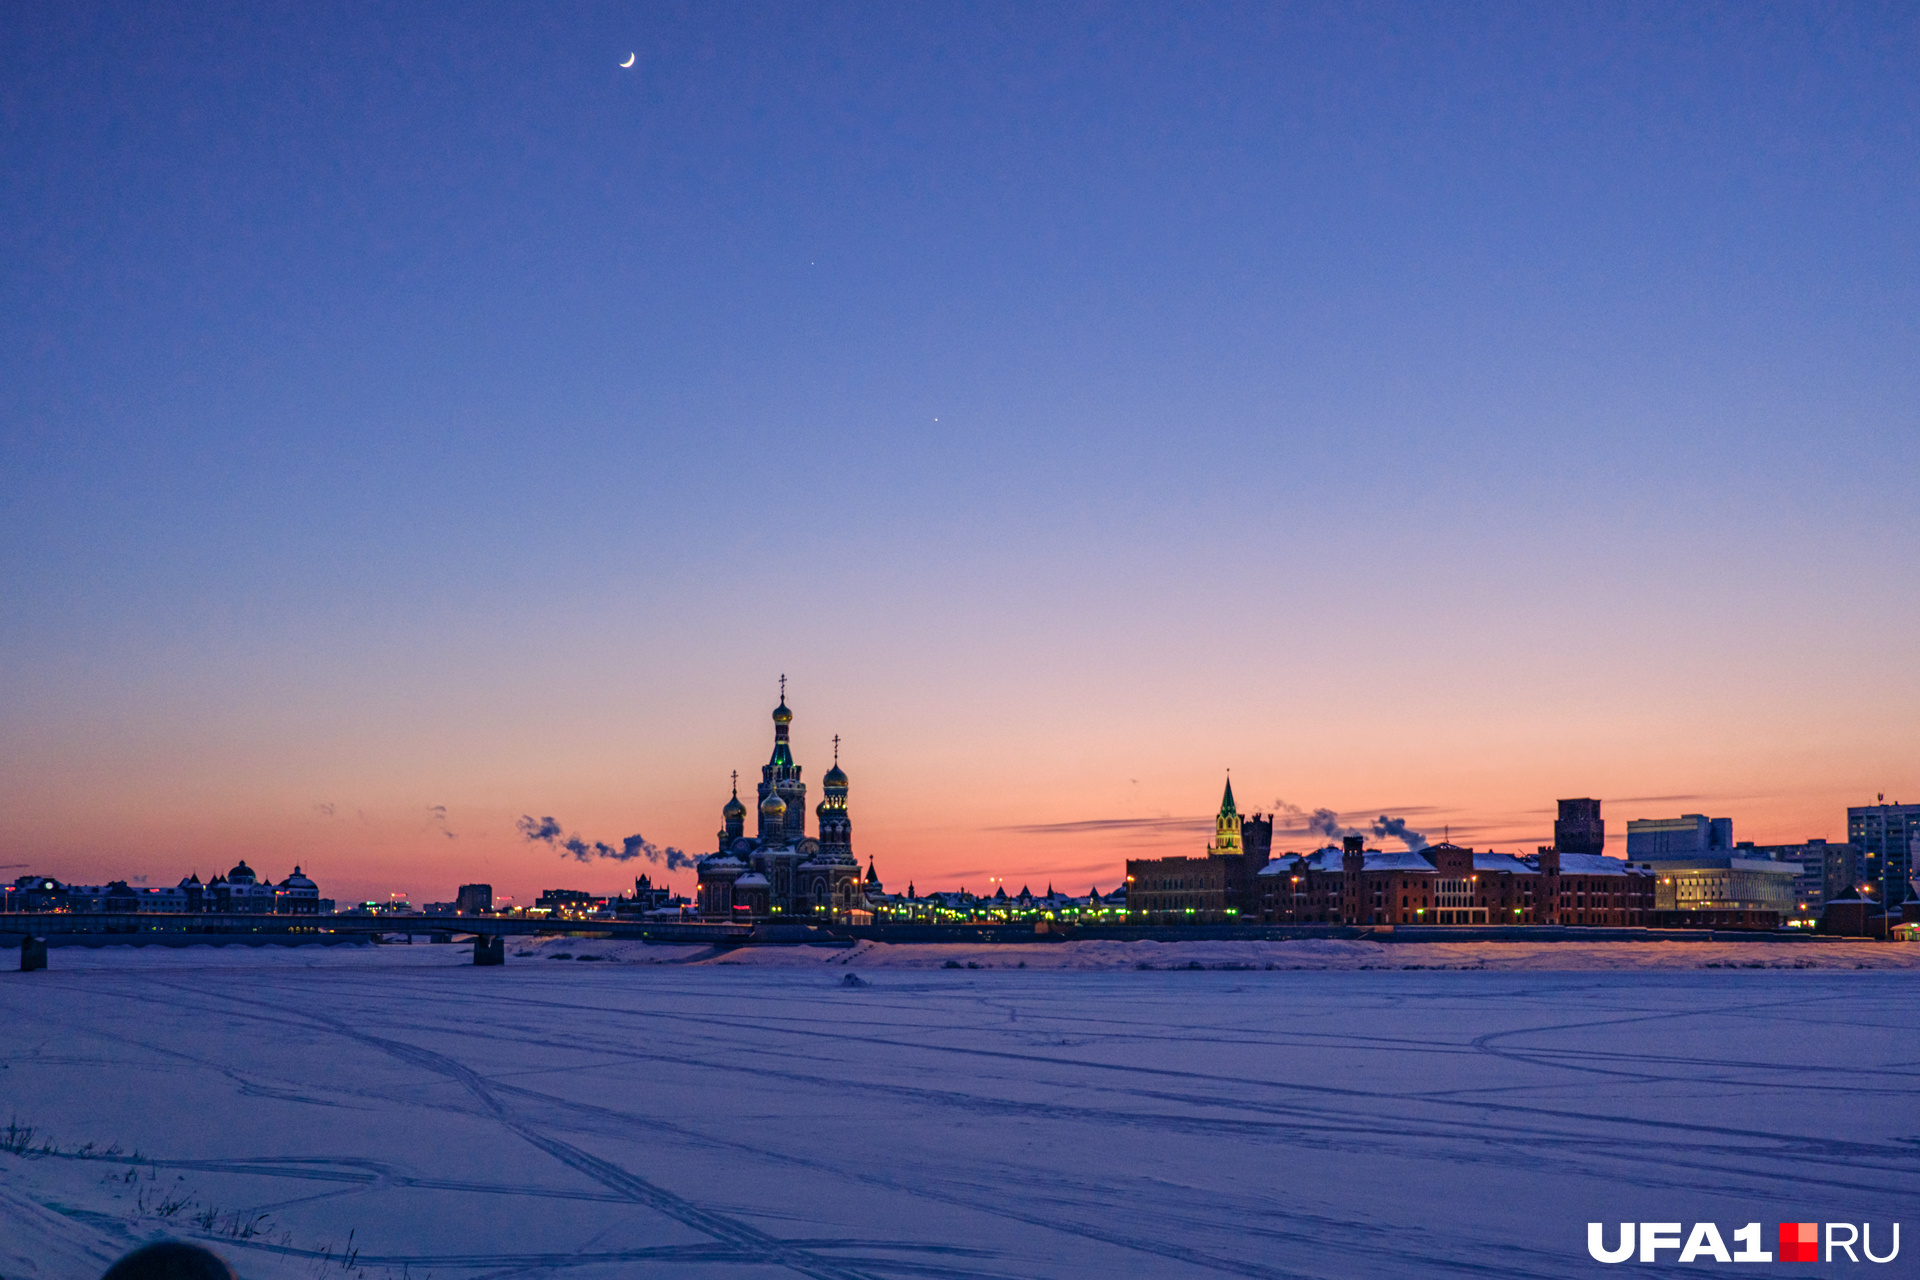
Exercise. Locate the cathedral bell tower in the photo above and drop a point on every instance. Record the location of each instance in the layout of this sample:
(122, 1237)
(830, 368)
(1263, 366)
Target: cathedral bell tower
(735, 816)
(836, 829)
(780, 777)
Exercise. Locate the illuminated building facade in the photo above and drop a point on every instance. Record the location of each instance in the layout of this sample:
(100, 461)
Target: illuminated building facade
(1821, 872)
(1725, 884)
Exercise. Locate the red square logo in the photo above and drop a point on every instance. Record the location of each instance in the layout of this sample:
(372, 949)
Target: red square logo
(1799, 1242)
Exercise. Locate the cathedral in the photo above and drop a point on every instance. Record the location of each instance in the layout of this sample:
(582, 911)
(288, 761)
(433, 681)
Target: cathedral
(780, 872)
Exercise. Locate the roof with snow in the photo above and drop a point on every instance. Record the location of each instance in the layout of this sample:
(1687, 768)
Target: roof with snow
(1591, 864)
(1331, 859)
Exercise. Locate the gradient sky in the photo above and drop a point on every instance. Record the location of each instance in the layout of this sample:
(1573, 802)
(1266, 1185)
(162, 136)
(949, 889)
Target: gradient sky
(412, 420)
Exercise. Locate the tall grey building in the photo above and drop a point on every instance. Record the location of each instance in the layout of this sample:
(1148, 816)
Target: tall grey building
(1692, 835)
(1580, 828)
(1885, 834)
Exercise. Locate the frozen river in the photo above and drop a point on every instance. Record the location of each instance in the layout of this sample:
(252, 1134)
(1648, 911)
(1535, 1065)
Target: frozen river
(623, 1119)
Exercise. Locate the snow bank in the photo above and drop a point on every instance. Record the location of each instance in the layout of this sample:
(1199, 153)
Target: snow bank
(1334, 953)
(1089, 955)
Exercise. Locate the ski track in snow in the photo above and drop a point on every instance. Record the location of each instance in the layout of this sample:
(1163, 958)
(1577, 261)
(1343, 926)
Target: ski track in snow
(752, 1116)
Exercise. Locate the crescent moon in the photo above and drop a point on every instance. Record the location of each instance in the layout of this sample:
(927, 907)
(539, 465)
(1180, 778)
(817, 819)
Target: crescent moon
(628, 62)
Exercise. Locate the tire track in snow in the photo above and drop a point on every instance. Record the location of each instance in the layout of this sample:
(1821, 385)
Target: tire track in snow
(1300, 1122)
(960, 1190)
(737, 1234)
(1473, 1118)
(743, 1238)
(694, 1253)
(1516, 1123)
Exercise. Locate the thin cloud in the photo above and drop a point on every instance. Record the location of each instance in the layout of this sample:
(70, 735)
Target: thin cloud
(1722, 798)
(1289, 820)
(1659, 800)
(1090, 825)
(1113, 868)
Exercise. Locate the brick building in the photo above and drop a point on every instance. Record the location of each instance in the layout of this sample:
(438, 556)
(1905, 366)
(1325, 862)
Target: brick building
(1447, 885)
(1215, 888)
(1580, 828)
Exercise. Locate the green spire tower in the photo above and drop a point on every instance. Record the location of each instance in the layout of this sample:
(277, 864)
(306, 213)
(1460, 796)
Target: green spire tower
(1226, 827)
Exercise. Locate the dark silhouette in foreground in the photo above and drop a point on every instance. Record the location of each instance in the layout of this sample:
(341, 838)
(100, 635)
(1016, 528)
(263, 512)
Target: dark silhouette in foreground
(170, 1260)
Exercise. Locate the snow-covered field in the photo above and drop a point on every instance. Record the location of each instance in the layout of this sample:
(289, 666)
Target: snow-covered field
(1316, 1109)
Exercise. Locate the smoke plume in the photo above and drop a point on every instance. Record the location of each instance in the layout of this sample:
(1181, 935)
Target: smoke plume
(549, 832)
(1321, 822)
(1327, 823)
(1384, 826)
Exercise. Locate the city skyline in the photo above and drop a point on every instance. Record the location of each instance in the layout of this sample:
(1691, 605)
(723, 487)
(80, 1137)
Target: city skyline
(413, 426)
(519, 858)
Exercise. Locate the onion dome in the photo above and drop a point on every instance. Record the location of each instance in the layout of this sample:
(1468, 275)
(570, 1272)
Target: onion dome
(734, 808)
(773, 806)
(781, 715)
(836, 779)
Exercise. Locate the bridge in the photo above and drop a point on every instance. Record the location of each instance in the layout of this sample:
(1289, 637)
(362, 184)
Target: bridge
(489, 933)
